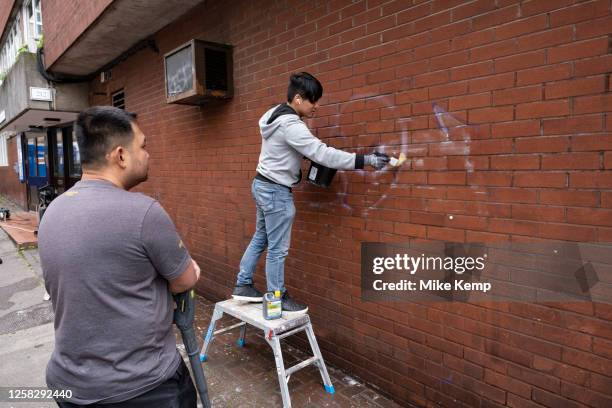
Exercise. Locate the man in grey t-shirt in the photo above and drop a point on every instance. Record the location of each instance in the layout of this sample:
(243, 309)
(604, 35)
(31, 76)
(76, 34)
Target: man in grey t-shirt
(110, 259)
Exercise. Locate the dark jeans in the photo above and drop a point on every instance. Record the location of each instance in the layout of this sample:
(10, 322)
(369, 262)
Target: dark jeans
(177, 392)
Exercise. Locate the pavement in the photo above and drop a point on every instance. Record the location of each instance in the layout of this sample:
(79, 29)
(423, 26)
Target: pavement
(21, 228)
(237, 377)
(26, 321)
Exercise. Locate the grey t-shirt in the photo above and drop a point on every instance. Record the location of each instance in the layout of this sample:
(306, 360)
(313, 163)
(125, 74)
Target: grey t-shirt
(107, 255)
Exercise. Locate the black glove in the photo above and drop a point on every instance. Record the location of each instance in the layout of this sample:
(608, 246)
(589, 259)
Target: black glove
(376, 160)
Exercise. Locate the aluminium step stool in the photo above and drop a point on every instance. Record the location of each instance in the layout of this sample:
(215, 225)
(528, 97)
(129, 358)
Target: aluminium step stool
(274, 331)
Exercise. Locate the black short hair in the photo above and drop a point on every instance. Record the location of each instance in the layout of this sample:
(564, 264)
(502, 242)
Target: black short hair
(99, 130)
(305, 85)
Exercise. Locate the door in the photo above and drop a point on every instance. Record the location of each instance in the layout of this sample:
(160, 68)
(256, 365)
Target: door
(72, 157)
(56, 157)
(65, 158)
(36, 166)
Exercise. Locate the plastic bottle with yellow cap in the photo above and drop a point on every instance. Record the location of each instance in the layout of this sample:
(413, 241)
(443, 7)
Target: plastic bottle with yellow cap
(272, 305)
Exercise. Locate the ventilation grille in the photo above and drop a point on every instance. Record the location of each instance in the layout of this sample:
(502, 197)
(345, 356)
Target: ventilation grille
(118, 99)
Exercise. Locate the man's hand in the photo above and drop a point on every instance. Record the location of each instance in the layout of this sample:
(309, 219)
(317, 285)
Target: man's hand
(376, 160)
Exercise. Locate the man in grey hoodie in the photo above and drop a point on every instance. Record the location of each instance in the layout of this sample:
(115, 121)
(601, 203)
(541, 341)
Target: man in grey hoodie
(286, 140)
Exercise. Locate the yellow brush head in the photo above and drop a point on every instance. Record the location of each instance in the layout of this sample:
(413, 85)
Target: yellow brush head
(396, 162)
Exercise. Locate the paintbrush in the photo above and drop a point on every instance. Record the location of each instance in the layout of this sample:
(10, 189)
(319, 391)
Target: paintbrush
(396, 162)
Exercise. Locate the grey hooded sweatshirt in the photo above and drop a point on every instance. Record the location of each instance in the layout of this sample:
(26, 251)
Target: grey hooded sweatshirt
(286, 140)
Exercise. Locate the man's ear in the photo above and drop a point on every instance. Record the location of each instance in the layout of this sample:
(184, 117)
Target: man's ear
(118, 156)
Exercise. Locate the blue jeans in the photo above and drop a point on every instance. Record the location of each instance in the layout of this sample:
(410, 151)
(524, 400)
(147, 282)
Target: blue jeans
(275, 214)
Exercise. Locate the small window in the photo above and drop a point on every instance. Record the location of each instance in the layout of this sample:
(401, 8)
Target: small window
(11, 46)
(3, 151)
(34, 19)
(118, 99)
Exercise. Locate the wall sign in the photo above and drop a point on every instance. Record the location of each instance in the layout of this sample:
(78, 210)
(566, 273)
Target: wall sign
(41, 94)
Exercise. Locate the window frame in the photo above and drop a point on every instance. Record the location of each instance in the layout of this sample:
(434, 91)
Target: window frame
(4, 162)
(33, 19)
(14, 41)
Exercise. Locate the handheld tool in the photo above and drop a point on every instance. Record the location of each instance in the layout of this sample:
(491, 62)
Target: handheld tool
(183, 318)
(396, 162)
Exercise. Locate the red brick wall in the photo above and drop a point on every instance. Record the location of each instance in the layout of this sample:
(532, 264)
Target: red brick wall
(10, 186)
(64, 21)
(5, 11)
(530, 78)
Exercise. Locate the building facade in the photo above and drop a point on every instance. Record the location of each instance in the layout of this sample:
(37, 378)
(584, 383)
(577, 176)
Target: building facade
(502, 107)
(36, 136)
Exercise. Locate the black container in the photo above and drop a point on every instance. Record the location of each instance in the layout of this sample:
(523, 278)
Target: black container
(320, 175)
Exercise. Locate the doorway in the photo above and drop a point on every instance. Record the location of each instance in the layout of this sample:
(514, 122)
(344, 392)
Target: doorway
(64, 158)
(36, 165)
